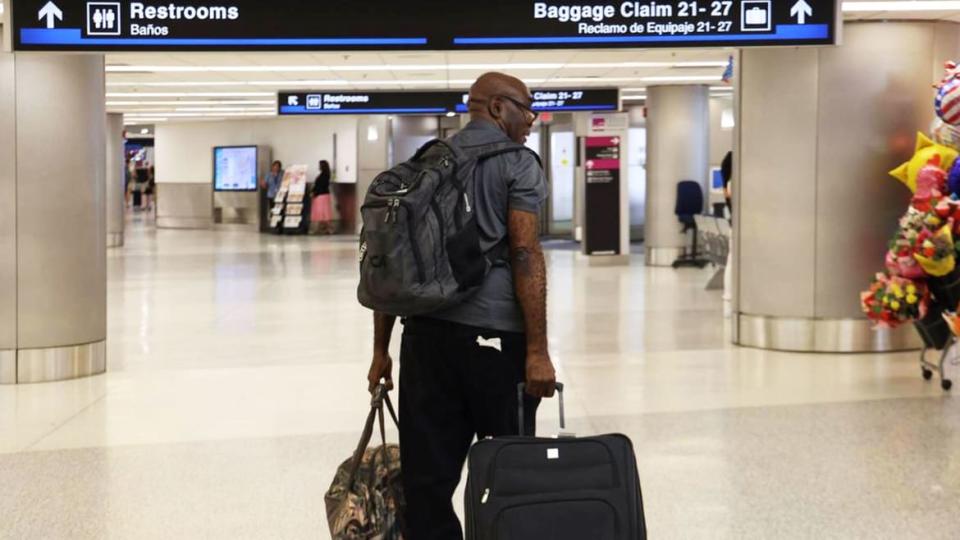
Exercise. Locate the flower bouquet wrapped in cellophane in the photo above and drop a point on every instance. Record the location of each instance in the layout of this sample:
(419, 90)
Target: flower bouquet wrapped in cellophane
(892, 300)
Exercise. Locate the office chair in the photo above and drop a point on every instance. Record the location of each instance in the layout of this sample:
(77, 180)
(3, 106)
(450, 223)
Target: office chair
(689, 204)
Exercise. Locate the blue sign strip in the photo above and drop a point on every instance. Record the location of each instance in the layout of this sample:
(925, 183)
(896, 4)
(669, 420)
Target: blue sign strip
(300, 109)
(577, 108)
(72, 36)
(784, 32)
(609, 107)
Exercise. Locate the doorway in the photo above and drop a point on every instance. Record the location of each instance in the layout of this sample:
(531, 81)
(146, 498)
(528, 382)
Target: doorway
(554, 141)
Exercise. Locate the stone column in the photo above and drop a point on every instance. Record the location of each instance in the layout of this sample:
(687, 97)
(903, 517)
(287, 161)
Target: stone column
(678, 148)
(814, 206)
(52, 217)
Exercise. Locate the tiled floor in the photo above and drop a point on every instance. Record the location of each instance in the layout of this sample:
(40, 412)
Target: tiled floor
(236, 386)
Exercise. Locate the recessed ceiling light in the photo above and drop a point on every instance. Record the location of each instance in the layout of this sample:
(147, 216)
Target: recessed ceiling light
(144, 131)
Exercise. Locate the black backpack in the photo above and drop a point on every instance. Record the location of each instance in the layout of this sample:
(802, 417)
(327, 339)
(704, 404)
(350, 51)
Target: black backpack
(420, 245)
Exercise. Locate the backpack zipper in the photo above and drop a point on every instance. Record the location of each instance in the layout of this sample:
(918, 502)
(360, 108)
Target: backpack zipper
(466, 202)
(393, 206)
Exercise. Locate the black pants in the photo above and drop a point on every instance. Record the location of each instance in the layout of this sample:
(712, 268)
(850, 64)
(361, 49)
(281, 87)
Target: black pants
(264, 205)
(451, 389)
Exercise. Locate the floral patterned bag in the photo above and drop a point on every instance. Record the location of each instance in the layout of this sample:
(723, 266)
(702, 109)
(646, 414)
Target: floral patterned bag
(365, 500)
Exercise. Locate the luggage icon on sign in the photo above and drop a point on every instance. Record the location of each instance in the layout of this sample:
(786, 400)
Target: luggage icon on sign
(755, 15)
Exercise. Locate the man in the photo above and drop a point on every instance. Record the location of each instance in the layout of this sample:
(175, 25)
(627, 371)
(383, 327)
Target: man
(459, 369)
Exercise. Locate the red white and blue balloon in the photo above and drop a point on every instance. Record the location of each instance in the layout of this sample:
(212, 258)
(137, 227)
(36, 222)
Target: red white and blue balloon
(947, 103)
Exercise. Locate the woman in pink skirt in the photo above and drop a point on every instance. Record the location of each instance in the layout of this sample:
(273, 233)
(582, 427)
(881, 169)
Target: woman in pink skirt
(321, 209)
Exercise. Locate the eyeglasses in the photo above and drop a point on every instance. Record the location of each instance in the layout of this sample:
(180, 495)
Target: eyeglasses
(531, 114)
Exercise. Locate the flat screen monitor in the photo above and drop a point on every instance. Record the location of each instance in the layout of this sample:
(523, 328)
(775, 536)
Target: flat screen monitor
(716, 179)
(235, 168)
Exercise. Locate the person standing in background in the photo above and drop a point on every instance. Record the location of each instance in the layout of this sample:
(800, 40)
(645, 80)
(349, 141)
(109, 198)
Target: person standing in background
(726, 170)
(148, 190)
(321, 204)
(269, 186)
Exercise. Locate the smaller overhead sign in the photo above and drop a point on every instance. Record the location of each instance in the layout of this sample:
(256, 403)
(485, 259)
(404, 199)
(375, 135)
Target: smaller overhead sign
(298, 103)
(550, 100)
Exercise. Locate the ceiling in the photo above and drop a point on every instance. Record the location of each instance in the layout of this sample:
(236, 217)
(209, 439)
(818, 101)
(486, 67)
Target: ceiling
(159, 87)
(246, 83)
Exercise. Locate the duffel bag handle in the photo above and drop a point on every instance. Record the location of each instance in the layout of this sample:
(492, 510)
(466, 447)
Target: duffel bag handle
(521, 391)
(380, 397)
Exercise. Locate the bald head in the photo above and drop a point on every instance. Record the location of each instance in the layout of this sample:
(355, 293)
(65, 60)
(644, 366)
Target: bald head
(503, 100)
(497, 84)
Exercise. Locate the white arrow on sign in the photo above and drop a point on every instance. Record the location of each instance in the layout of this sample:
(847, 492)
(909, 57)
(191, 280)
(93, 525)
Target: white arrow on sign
(801, 10)
(50, 11)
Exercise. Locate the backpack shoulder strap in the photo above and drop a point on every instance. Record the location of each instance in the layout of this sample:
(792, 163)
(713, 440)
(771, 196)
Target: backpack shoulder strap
(487, 151)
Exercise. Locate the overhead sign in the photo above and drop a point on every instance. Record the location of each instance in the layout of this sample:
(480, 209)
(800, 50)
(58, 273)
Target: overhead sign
(418, 24)
(332, 102)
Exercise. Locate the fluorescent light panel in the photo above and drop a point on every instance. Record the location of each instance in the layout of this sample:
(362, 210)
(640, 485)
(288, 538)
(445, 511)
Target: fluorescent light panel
(912, 5)
(418, 82)
(141, 116)
(189, 102)
(189, 94)
(408, 67)
(199, 109)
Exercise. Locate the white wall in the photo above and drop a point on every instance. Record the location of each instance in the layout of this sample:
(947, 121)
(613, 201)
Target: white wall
(184, 150)
(721, 140)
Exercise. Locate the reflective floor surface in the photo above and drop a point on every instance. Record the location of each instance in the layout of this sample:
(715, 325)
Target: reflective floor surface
(236, 386)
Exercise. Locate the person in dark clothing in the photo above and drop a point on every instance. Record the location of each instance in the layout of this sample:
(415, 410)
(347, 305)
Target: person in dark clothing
(459, 368)
(726, 171)
(321, 204)
(149, 189)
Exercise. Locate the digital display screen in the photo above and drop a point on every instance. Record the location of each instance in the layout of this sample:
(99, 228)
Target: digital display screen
(717, 178)
(127, 25)
(235, 168)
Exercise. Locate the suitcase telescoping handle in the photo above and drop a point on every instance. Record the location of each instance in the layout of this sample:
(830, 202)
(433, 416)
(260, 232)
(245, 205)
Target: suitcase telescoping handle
(520, 393)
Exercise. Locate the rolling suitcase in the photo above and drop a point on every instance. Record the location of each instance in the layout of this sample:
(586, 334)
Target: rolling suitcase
(563, 488)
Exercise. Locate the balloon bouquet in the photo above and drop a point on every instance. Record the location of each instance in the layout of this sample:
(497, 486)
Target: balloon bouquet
(921, 281)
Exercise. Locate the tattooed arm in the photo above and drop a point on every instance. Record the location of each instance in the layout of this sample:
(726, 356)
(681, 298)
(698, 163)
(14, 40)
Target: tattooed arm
(530, 283)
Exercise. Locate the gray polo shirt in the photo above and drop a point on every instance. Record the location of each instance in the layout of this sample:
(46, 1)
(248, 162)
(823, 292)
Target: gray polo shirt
(511, 181)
